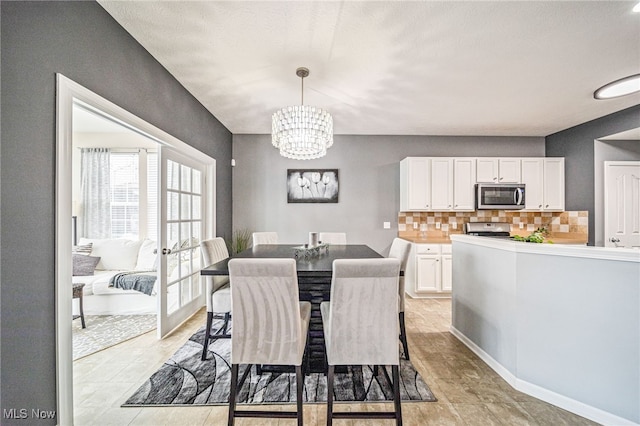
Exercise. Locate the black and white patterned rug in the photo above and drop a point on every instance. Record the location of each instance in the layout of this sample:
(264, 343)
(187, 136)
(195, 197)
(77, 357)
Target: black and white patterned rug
(186, 380)
(104, 331)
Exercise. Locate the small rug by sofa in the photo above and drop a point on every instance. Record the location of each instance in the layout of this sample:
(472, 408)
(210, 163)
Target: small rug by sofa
(185, 379)
(104, 331)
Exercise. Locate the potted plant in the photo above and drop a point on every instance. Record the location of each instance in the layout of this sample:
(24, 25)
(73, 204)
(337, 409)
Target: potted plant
(240, 241)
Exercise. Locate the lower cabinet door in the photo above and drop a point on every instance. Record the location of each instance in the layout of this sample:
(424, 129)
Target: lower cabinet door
(428, 273)
(446, 272)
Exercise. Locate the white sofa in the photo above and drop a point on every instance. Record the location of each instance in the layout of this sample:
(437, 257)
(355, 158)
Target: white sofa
(116, 256)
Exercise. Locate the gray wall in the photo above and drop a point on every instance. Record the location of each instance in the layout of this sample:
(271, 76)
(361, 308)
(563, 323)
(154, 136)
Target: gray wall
(577, 146)
(83, 42)
(369, 170)
(608, 151)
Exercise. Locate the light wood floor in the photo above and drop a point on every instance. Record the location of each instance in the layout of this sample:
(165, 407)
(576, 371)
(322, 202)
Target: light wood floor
(468, 391)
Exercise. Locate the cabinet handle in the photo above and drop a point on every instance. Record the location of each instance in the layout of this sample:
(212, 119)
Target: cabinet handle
(540, 206)
(546, 206)
(501, 178)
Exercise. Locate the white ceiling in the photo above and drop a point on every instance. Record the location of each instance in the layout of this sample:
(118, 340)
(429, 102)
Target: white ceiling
(497, 68)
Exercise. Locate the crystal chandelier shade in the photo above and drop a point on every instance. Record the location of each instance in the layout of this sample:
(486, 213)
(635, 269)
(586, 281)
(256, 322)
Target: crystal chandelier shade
(302, 132)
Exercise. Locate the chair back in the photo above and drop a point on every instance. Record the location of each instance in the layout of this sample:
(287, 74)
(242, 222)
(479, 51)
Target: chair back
(265, 238)
(339, 238)
(214, 250)
(363, 317)
(267, 327)
(400, 250)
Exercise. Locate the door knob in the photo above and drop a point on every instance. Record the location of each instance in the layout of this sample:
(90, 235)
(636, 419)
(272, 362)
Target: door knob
(166, 251)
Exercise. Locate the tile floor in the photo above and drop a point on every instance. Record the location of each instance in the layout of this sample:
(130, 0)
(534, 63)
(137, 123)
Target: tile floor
(468, 391)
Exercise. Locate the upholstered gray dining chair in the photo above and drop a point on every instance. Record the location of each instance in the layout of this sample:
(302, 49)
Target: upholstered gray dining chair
(218, 292)
(360, 325)
(265, 238)
(339, 238)
(270, 325)
(400, 250)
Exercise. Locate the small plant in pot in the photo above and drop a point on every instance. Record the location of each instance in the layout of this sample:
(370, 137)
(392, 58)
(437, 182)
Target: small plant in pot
(240, 241)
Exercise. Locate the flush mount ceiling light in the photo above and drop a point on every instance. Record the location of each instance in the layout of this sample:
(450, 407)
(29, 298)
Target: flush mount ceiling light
(624, 86)
(302, 132)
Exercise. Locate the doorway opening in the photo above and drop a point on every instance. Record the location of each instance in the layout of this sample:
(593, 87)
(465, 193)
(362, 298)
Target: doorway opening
(185, 214)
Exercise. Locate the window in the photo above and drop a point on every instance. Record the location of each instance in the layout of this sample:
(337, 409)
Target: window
(133, 190)
(125, 195)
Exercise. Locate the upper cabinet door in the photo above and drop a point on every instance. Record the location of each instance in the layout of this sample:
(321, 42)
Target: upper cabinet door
(441, 183)
(415, 184)
(532, 169)
(487, 170)
(553, 184)
(464, 172)
(509, 170)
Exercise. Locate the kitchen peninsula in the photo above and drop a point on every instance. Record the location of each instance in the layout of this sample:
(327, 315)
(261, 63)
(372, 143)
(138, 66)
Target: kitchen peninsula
(559, 322)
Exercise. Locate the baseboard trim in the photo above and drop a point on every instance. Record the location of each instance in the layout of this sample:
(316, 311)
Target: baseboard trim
(569, 404)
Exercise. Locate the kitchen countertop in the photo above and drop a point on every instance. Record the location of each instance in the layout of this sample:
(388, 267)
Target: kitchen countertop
(556, 239)
(428, 240)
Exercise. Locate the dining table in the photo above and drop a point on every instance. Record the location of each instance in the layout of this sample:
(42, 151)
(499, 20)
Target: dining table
(314, 269)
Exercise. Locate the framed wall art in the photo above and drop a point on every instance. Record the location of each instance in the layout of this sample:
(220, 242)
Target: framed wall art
(312, 185)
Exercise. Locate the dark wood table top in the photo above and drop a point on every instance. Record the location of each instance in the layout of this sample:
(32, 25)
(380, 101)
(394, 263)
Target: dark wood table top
(317, 265)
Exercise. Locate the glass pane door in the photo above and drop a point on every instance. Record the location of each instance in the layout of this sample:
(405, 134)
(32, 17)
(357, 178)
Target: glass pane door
(181, 228)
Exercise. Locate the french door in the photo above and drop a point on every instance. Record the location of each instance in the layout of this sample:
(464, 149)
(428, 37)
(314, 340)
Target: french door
(181, 228)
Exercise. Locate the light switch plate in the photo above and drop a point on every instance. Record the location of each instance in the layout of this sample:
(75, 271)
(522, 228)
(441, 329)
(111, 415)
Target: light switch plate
(386, 225)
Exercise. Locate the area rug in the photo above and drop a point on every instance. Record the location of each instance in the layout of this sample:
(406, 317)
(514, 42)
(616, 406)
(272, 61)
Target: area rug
(104, 331)
(185, 379)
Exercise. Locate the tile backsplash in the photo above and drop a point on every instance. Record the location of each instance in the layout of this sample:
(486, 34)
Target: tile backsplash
(570, 224)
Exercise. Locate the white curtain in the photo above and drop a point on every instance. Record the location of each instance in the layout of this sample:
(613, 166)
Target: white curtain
(95, 217)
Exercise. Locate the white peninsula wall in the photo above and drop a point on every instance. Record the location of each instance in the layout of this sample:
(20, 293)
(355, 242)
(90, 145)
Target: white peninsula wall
(561, 323)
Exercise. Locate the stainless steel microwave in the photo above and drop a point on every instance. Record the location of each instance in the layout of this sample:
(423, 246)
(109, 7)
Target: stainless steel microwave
(503, 196)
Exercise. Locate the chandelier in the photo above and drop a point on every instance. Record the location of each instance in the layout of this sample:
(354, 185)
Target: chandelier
(302, 132)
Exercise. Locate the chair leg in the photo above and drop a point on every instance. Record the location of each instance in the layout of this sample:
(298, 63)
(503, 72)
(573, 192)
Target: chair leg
(396, 394)
(232, 393)
(299, 391)
(330, 395)
(403, 336)
(82, 312)
(207, 332)
(226, 323)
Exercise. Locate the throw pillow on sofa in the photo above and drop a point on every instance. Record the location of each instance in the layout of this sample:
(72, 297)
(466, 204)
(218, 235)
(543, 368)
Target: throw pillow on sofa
(83, 249)
(117, 254)
(147, 258)
(84, 265)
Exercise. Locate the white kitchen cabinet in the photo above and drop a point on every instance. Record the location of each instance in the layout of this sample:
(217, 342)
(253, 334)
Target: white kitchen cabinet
(532, 170)
(544, 180)
(553, 192)
(428, 272)
(498, 170)
(447, 183)
(415, 184)
(441, 183)
(463, 184)
(447, 268)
